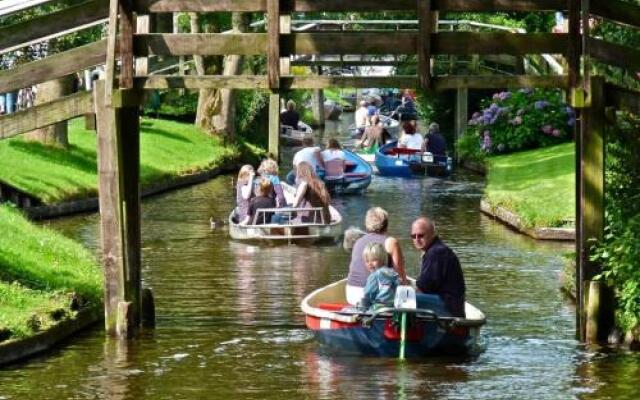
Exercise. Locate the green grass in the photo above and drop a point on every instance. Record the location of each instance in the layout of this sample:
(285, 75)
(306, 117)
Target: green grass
(538, 185)
(40, 269)
(167, 149)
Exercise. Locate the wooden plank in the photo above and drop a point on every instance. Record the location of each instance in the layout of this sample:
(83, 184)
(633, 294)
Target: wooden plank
(355, 63)
(350, 43)
(201, 82)
(127, 27)
(143, 25)
(183, 44)
(499, 82)
(158, 6)
(465, 43)
(461, 115)
(614, 54)
(574, 44)
(112, 41)
(53, 67)
(323, 82)
(618, 11)
(40, 27)
(273, 43)
(109, 188)
(622, 98)
(46, 114)
(274, 124)
(425, 24)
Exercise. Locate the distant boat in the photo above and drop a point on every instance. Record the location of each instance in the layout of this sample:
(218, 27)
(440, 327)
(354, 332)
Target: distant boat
(332, 110)
(351, 332)
(390, 160)
(355, 179)
(290, 136)
(292, 230)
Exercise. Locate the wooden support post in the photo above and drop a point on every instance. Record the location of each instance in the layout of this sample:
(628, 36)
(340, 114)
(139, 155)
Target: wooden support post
(425, 28)
(273, 43)
(591, 183)
(317, 104)
(574, 52)
(461, 113)
(143, 25)
(274, 124)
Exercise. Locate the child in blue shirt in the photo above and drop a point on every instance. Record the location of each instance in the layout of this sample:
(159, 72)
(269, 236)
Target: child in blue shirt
(380, 289)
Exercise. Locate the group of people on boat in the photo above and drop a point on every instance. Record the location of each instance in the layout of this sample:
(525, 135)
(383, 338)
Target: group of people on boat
(265, 192)
(377, 268)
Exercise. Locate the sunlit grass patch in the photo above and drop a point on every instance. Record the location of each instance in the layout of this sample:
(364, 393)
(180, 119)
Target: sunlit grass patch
(538, 185)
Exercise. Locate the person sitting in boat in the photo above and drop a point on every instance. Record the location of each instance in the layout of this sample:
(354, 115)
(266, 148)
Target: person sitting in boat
(333, 158)
(309, 154)
(290, 117)
(263, 200)
(269, 169)
(362, 117)
(311, 192)
(382, 282)
(376, 222)
(434, 142)
(244, 191)
(441, 281)
(410, 139)
(375, 136)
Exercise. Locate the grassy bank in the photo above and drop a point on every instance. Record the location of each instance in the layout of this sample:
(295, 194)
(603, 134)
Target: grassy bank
(44, 277)
(167, 149)
(538, 185)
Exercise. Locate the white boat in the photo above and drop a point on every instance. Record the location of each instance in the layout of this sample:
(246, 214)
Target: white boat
(291, 136)
(292, 229)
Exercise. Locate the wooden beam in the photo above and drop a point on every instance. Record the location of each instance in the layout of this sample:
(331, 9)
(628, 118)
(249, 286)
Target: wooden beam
(355, 63)
(50, 24)
(273, 43)
(499, 82)
(127, 28)
(614, 54)
(202, 82)
(574, 44)
(163, 6)
(52, 67)
(46, 114)
(274, 124)
(461, 116)
(323, 82)
(112, 43)
(183, 44)
(622, 98)
(617, 11)
(425, 25)
(465, 43)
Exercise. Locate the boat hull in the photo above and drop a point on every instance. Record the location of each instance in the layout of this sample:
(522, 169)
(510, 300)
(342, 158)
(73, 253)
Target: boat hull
(408, 166)
(356, 179)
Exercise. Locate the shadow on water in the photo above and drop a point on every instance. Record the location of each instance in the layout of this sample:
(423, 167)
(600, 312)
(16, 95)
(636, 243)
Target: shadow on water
(229, 323)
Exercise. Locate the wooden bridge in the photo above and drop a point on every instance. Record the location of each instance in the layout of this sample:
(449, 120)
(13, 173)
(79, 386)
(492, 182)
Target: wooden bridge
(130, 41)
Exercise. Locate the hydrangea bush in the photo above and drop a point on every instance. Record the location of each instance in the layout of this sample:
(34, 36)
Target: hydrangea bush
(519, 120)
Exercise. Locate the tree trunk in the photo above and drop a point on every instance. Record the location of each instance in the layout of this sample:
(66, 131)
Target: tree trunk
(208, 99)
(55, 134)
(224, 121)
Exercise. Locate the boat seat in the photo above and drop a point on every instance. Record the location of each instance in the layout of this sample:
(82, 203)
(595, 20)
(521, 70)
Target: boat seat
(332, 306)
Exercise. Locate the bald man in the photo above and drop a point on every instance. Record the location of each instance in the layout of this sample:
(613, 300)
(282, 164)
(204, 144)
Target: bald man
(441, 279)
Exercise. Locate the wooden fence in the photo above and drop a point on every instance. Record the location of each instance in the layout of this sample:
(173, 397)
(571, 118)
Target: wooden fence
(117, 105)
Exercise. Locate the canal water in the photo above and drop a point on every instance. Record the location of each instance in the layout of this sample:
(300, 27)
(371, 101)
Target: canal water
(229, 324)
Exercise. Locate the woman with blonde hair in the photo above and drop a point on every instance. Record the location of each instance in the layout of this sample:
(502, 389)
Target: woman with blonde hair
(311, 192)
(244, 191)
(376, 223)
(269, 169)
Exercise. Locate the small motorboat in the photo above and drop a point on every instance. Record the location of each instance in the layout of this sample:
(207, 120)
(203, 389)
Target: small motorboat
(290, 136)
(355, 178)
(390, 160)
(292, 229)
(348, 331)
(332, 110)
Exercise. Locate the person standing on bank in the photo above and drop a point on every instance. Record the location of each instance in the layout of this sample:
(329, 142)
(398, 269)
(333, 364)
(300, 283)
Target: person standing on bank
(441, 281)
(376, 223)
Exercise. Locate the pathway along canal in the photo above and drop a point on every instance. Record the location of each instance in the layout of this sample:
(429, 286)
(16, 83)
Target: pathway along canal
(229, 324)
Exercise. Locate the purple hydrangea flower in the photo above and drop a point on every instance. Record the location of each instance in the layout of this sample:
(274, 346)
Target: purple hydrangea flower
(547, 129)
(504, 95)
(486, 141)
(572, 121)
(494, 107)
(496, 96)
(541, 104)
(556, 132)
(476, 115)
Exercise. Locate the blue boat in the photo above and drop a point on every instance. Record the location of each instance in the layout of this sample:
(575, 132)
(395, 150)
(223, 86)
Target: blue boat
(347, 332)
(390, 160)
(354, 175)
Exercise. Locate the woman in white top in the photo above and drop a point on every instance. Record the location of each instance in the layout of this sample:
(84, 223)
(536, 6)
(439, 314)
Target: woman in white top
(334, 159)
(410, 139)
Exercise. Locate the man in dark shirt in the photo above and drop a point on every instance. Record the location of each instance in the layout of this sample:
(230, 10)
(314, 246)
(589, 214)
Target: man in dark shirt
(435, 142)
(440, 273)
(291, 116)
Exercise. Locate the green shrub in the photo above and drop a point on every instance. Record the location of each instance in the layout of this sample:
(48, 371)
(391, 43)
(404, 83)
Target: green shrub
(523, 119)
(468, 147)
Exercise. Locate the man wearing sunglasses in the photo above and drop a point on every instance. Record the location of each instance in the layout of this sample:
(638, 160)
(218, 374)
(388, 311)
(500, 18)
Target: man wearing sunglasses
(441, 280)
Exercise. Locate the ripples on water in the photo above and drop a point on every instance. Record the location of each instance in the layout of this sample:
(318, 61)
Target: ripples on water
(229, 324)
